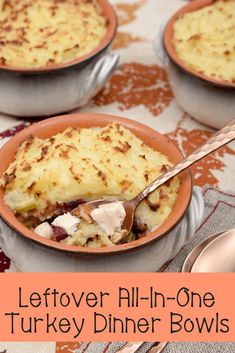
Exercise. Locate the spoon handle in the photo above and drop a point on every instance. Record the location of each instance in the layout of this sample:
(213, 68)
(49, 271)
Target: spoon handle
(222, 137)
(130, 347)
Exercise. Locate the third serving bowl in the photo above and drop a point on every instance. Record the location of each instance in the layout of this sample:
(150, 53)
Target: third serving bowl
(208, 100)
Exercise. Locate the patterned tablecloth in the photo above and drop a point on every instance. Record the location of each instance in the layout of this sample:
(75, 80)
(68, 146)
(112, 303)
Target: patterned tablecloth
(140, 90)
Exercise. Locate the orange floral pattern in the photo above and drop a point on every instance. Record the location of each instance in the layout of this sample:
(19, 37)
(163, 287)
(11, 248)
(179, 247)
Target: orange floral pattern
(187, 141)
(67, 347)
(126, 13)
(136, 84)
(124, 39)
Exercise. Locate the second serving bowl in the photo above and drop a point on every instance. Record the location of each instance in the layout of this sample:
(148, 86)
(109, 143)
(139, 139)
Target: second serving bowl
(59, 88)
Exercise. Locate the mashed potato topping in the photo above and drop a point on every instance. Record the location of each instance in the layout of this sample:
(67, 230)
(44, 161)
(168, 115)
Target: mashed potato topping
(46, 32)
(52, 176)
(205, 40)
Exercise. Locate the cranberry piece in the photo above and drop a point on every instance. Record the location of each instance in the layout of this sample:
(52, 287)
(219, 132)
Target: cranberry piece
(68, 206)
(59, 233)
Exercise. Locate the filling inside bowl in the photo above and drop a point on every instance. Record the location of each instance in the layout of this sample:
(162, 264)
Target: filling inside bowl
(50, 180)
(43, 33)
(204, 39)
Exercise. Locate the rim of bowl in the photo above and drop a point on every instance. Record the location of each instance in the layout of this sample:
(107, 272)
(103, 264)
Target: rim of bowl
(109, 12)
(169, 46)
(51, 126)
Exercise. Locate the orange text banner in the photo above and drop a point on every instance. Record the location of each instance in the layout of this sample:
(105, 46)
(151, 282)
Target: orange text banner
(117, 307)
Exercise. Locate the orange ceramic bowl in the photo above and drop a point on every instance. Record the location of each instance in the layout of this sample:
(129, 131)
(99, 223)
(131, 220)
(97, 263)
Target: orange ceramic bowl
(55, 89)
(169, 46)
(52, 126)
(109, 13)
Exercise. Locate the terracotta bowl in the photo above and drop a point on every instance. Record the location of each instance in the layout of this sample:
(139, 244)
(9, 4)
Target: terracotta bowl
(109, 13)
(168, 43)
(58, 88)
(49, 127)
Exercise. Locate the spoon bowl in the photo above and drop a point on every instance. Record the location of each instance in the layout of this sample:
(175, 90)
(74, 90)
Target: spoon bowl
(129, 206)
(193, 255)
(209, 261)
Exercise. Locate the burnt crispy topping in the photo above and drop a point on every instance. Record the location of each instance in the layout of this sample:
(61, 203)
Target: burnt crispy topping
(27, 167)
(28, 142)
(76, 176)
(51, 140)
(163, 195)
(102, 176)
(44, 152)
(64, 153)
(125, 184)
(106, 139)
(153, 206)
(168, 183)
(164, 168)
(195, 36)
(142, 156)
(2, 61)
(123, 147)
(8, 178)
(69, 133)
(72, 147)
(31, 186)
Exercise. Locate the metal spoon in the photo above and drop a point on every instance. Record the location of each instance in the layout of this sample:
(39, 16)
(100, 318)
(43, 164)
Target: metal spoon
(132, 347)
(221, 138)
(157, 347)
(193, 255)
(209, 259)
